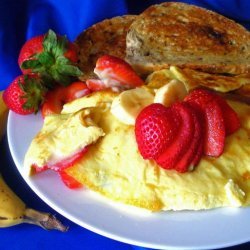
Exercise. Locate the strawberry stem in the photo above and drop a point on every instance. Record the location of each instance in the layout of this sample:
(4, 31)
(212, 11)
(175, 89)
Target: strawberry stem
(34, 92)
(51, 64)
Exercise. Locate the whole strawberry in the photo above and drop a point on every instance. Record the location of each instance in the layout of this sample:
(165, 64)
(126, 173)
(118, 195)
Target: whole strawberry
(51, 56)
(24, 95)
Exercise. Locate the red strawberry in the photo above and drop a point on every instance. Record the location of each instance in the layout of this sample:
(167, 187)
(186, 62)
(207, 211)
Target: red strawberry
(95, 84)
(76, 90)
(215, 131)
(61, 166)
(209, 104)
(202, 97)
(69, 181)
(67, 162)
(116, 73)
(173, 153)
(231, 119)
(55, 99)
(199, 152)
(155, 129)
(52, 56)
(24, 95)
(29, 49)
(53, 102)
(193, 154)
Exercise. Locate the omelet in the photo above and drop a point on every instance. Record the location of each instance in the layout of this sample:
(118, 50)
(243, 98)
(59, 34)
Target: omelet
(194, 79)
(114, 167)
(60, 137)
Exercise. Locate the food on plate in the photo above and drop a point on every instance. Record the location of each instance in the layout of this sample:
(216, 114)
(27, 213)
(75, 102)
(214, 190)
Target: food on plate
(115, 73)
(187, 36)
(171, 142)
(51, 56)
(56, 98)
(114, 167)
(171, 92)
(105, 37)
(47, 62)
(218, 82)
(244, 91)
(49, 149)
(129, 103)
(24, 95)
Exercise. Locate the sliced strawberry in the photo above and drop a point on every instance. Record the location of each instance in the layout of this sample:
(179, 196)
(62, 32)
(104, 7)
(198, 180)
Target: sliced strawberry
(69, 181)
(116, 73)
(199, 153)
(193, 153)
(39, 169)
(215, 131)
(95, 84)
(200, 97)
(155, 128)
(203, 97)
(61, 166)
(169, 158)
(231, 119)
(67, 162)
(55, 99)
(76, 90)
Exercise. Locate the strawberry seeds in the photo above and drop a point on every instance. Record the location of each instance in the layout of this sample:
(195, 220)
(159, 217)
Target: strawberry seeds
(176, 137)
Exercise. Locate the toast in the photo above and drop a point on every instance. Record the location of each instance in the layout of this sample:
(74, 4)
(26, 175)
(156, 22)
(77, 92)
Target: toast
(187, 36)
(105, 37)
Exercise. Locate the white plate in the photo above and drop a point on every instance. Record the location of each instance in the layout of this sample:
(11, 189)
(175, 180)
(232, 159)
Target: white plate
(176, 230)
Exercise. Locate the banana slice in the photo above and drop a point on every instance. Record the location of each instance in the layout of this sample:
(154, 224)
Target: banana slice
(129, 103)
(168, 94)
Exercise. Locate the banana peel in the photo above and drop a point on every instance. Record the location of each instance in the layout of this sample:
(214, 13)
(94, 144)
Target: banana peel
(3, 116)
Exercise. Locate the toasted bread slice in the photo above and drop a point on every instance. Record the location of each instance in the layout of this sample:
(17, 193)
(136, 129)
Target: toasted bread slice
(187, 36)
(105, 37)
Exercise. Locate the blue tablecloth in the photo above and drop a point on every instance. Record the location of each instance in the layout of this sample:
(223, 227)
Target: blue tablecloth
(23, 19)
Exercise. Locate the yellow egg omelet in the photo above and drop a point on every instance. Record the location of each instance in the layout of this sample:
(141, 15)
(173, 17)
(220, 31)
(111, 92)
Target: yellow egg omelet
(114, 168)
(60, 137)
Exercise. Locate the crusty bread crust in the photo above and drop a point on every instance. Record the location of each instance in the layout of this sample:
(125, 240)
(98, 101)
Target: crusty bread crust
(187, 36)
(105, 37)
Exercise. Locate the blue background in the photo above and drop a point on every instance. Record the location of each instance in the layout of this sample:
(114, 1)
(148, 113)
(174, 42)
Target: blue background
(23, 19)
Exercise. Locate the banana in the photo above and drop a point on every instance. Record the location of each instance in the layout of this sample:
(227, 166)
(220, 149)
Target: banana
(3, 115)
(13, 210)
(171, 92)
(129, 103)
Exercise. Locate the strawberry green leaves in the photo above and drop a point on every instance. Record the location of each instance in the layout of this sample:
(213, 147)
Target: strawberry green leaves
(34, 92)
(46, 61)
(55, 62)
